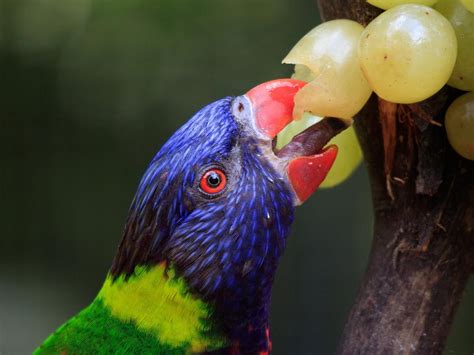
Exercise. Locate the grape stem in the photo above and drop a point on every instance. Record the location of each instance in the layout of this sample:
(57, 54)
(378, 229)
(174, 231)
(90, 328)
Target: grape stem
(388, 122)
(426, 228)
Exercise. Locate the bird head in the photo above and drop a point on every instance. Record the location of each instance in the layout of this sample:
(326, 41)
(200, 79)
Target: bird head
(216, 203)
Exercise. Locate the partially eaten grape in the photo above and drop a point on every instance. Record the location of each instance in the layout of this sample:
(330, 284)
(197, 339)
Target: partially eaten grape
(463, 23)
(459, 123)
(408, 53)
(327, 57)
(388, 4)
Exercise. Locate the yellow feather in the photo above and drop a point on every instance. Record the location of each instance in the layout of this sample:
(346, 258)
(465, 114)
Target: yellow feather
(160, 304)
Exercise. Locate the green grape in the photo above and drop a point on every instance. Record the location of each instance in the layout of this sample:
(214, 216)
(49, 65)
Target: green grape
(459, 123)
(348, 158)
(408, 53)
(463, 23)
(388, 4)
(337, 86)
(468, 4)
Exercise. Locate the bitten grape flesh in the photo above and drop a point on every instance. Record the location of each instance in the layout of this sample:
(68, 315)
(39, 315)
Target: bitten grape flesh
(388, 4)
(408, 53)
(337, 86)
(302, 72)
(463, 23)
(348, 158)
(459, 123)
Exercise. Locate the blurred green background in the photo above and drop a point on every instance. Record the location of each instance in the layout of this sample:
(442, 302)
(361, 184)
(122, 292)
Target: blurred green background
(90, 89)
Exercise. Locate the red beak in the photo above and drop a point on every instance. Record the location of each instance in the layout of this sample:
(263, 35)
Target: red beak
(272, 105)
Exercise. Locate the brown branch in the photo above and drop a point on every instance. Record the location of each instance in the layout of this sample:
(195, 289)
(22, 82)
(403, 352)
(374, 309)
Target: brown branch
(423, 246)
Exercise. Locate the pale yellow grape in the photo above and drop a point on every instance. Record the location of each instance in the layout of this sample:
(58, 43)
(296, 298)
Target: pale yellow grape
(468, 4)
(348, 158)
(459, 123)
(408, 53)
(388, 4)
(339, 88)
(463, 23)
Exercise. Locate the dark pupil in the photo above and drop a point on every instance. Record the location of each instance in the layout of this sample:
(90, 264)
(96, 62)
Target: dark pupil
(213, 180)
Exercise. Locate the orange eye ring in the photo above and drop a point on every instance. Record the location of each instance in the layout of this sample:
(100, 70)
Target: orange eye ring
(213, 181)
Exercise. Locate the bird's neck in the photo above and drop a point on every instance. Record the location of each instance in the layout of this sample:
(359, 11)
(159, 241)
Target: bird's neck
(158, 302)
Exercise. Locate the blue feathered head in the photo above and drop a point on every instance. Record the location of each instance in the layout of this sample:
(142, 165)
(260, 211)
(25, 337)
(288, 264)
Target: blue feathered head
(217, 201)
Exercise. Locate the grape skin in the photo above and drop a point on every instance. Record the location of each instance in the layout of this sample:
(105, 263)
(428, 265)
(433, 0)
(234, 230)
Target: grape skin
(463, 23)
(338, 87)
(407, 53)
(459, 123)
(388, 4)
(468, 4)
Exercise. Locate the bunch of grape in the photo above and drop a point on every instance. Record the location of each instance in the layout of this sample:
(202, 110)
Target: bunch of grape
(405, 55)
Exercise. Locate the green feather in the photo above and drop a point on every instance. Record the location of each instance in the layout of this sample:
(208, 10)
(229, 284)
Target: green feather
(151, 312)
(95, 331)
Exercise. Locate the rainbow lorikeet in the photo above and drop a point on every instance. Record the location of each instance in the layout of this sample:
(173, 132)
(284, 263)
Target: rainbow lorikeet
(204, 234)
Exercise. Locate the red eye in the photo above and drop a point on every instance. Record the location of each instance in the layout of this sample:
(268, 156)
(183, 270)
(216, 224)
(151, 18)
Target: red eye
(213, 181)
